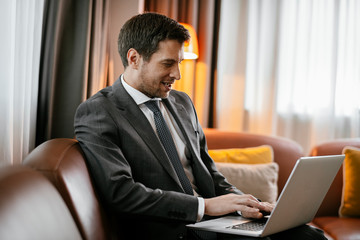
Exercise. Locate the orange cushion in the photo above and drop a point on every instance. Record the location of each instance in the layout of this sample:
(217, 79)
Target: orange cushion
(251, 155)
(350, 204)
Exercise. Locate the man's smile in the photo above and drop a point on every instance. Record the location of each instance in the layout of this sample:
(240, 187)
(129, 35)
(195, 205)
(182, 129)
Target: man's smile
(167, 85)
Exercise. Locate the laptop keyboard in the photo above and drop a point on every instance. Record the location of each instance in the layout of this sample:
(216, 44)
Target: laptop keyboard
(256, 225)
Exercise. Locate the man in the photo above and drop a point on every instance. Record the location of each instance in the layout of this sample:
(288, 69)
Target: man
(122, 135)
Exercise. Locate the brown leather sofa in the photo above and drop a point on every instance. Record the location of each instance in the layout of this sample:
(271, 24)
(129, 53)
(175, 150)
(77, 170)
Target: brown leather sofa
(32, 208)
(327, 218)
(62, 162)
(286, 153)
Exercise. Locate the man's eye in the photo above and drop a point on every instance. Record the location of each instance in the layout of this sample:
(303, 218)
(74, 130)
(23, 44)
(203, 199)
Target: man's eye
(168, 64)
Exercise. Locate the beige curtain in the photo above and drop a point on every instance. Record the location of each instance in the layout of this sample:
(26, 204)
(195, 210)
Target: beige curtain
(197, 75)
(20, 49)
(290, 69)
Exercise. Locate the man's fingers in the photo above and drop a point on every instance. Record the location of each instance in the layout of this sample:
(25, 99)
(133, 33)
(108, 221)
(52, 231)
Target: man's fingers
(248, 211)
(252, 214)
(247, 204)
(267, 207)
(251, 207)
(251, 202)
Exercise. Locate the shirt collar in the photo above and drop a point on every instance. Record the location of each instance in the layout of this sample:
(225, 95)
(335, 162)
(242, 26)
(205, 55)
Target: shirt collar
(138, 96)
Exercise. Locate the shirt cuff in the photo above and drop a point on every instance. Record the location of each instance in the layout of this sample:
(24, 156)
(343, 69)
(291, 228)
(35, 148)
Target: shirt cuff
(201, 209)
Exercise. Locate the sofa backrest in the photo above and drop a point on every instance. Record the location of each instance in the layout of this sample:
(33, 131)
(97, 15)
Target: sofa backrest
(63, 163)
(286, 152)
(31, 207)
(332, 200)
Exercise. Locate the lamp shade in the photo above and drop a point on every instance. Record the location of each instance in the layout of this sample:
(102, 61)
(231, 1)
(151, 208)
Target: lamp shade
(191, 47)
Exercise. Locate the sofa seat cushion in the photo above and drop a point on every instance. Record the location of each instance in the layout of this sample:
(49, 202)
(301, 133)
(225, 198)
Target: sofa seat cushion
(340, 228)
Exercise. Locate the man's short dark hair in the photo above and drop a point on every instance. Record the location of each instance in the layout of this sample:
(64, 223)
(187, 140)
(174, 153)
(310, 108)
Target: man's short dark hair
(143, 32)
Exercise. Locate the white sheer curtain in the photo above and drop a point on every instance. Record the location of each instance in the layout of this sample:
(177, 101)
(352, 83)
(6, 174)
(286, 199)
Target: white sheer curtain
(20, 27)
(290, 68)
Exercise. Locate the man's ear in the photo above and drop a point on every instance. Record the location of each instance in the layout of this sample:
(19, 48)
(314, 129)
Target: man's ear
(133, 58)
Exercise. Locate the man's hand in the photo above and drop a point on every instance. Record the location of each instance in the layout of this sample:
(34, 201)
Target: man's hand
(249, 206)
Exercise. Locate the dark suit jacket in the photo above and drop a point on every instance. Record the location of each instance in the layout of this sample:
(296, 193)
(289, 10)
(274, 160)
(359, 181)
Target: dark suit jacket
(131, 170)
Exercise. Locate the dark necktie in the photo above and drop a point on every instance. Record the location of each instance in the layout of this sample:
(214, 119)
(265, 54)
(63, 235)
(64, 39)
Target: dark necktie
(169, 145)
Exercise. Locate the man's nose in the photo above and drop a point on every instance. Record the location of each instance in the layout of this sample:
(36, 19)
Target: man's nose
(175, 73)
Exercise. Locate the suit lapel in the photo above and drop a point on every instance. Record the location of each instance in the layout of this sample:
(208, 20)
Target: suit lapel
(181, 117)
(141, 125)
(183, 120)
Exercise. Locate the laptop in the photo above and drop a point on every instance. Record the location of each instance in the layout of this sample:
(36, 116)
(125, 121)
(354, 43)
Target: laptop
(297, 204)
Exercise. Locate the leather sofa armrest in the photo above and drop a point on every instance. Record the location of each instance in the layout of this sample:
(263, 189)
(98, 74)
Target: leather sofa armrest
(332, 200)
(31, 207)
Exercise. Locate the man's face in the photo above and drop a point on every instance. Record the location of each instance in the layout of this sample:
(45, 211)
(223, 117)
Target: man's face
(158, 74)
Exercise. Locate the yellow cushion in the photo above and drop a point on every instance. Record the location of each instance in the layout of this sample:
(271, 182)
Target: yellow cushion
(350, 204)
(253, 155)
